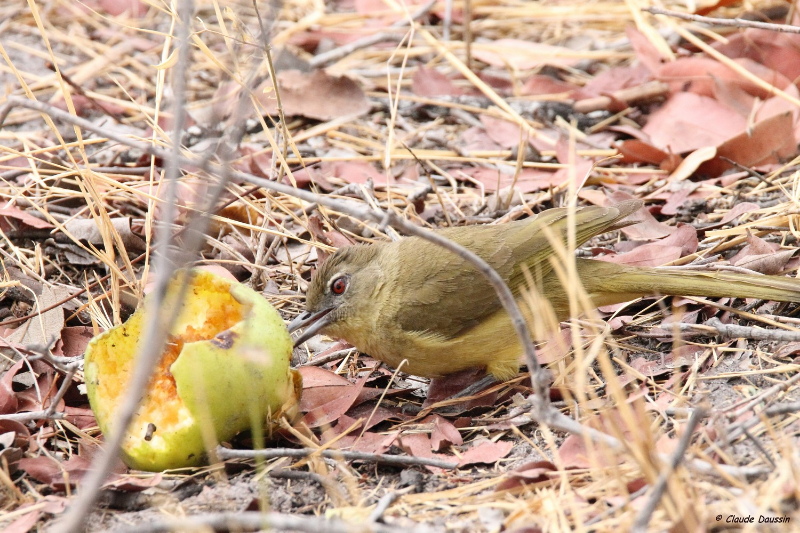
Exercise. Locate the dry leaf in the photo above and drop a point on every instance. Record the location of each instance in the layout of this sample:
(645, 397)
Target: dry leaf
(314, 95)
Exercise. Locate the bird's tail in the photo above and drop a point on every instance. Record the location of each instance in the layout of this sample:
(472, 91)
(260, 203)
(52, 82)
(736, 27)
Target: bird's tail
(610, 283)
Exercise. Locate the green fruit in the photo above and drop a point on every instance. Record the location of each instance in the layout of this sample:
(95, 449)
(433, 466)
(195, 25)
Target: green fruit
(225, 369)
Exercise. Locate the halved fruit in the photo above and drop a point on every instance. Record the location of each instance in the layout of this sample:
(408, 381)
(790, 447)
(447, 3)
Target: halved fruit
(225, 369)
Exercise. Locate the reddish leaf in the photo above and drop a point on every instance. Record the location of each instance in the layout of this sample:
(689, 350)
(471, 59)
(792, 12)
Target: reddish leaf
(636, 151)
(755, 246)
(503, 132)
(8, 398)
(130, 8)
(612, 80)
(529, 180)
(692, 162)
(557, 347)
(430, 82)
(419, 445)
(356, 439)
(54, 473)
(357, 172)
(328, 412)
(704, 76)
(762, 143)
(688, 121)
(314, 95)
(771, 264)
(775, 51)
(81, 417)
(447, 386)
(52, 505)
(75, 339)
(314, 376)
(529, 473)
(26, 218)
(444, 433)
(539, 85)
(487, 452)
(737, 211)
(787, 350)
(685, 236)
(647, 54)
(21, 433)
(129, 483)
(647, 255)
(368, 442)
(648, 228)
(308, 175)
(373, 416)
(572, 453)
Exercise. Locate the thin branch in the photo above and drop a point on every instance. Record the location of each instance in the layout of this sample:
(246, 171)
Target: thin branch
(382, 506)
(733, 331)
(643, 518)
(336, 54)
(319, 361)
(736, 23)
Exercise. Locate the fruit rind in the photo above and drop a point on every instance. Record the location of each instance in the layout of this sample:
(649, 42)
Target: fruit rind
(230, 380)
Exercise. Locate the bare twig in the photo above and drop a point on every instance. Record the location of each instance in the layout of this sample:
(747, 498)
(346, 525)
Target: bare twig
(643, 518)
(338, 53)
(736, 23)
(382, 506)
(338, 354)
(733, 331)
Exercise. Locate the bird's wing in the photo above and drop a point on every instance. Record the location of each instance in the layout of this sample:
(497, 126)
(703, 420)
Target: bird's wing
(444, 294)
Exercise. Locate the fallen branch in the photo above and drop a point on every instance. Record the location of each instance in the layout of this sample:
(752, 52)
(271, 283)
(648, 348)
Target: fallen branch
(732, 331)
(735, 23)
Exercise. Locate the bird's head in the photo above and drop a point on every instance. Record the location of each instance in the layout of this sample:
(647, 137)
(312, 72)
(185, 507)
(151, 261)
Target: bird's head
(342, 287)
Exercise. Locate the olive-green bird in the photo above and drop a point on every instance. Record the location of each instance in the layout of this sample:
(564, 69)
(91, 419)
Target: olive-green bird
(414, 300)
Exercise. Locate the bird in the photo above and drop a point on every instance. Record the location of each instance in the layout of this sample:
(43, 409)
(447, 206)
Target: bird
(411, 301)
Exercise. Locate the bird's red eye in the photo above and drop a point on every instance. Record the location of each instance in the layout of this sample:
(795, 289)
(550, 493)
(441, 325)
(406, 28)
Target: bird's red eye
(338, 286)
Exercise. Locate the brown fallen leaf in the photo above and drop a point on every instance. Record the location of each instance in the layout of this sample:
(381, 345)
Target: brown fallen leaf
(430, 82)
(332, 410)
(648, 228)
(737, 211)
(419, 445)
(444, 433)
(527, 474)
(316, 95)
(487, 452)
(689, 121)
(10, 212)
(767, 141)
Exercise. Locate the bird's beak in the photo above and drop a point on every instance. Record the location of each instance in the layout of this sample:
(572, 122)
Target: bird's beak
(314, 321)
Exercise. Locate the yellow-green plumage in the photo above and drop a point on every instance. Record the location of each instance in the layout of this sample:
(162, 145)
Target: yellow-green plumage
(413, 300)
